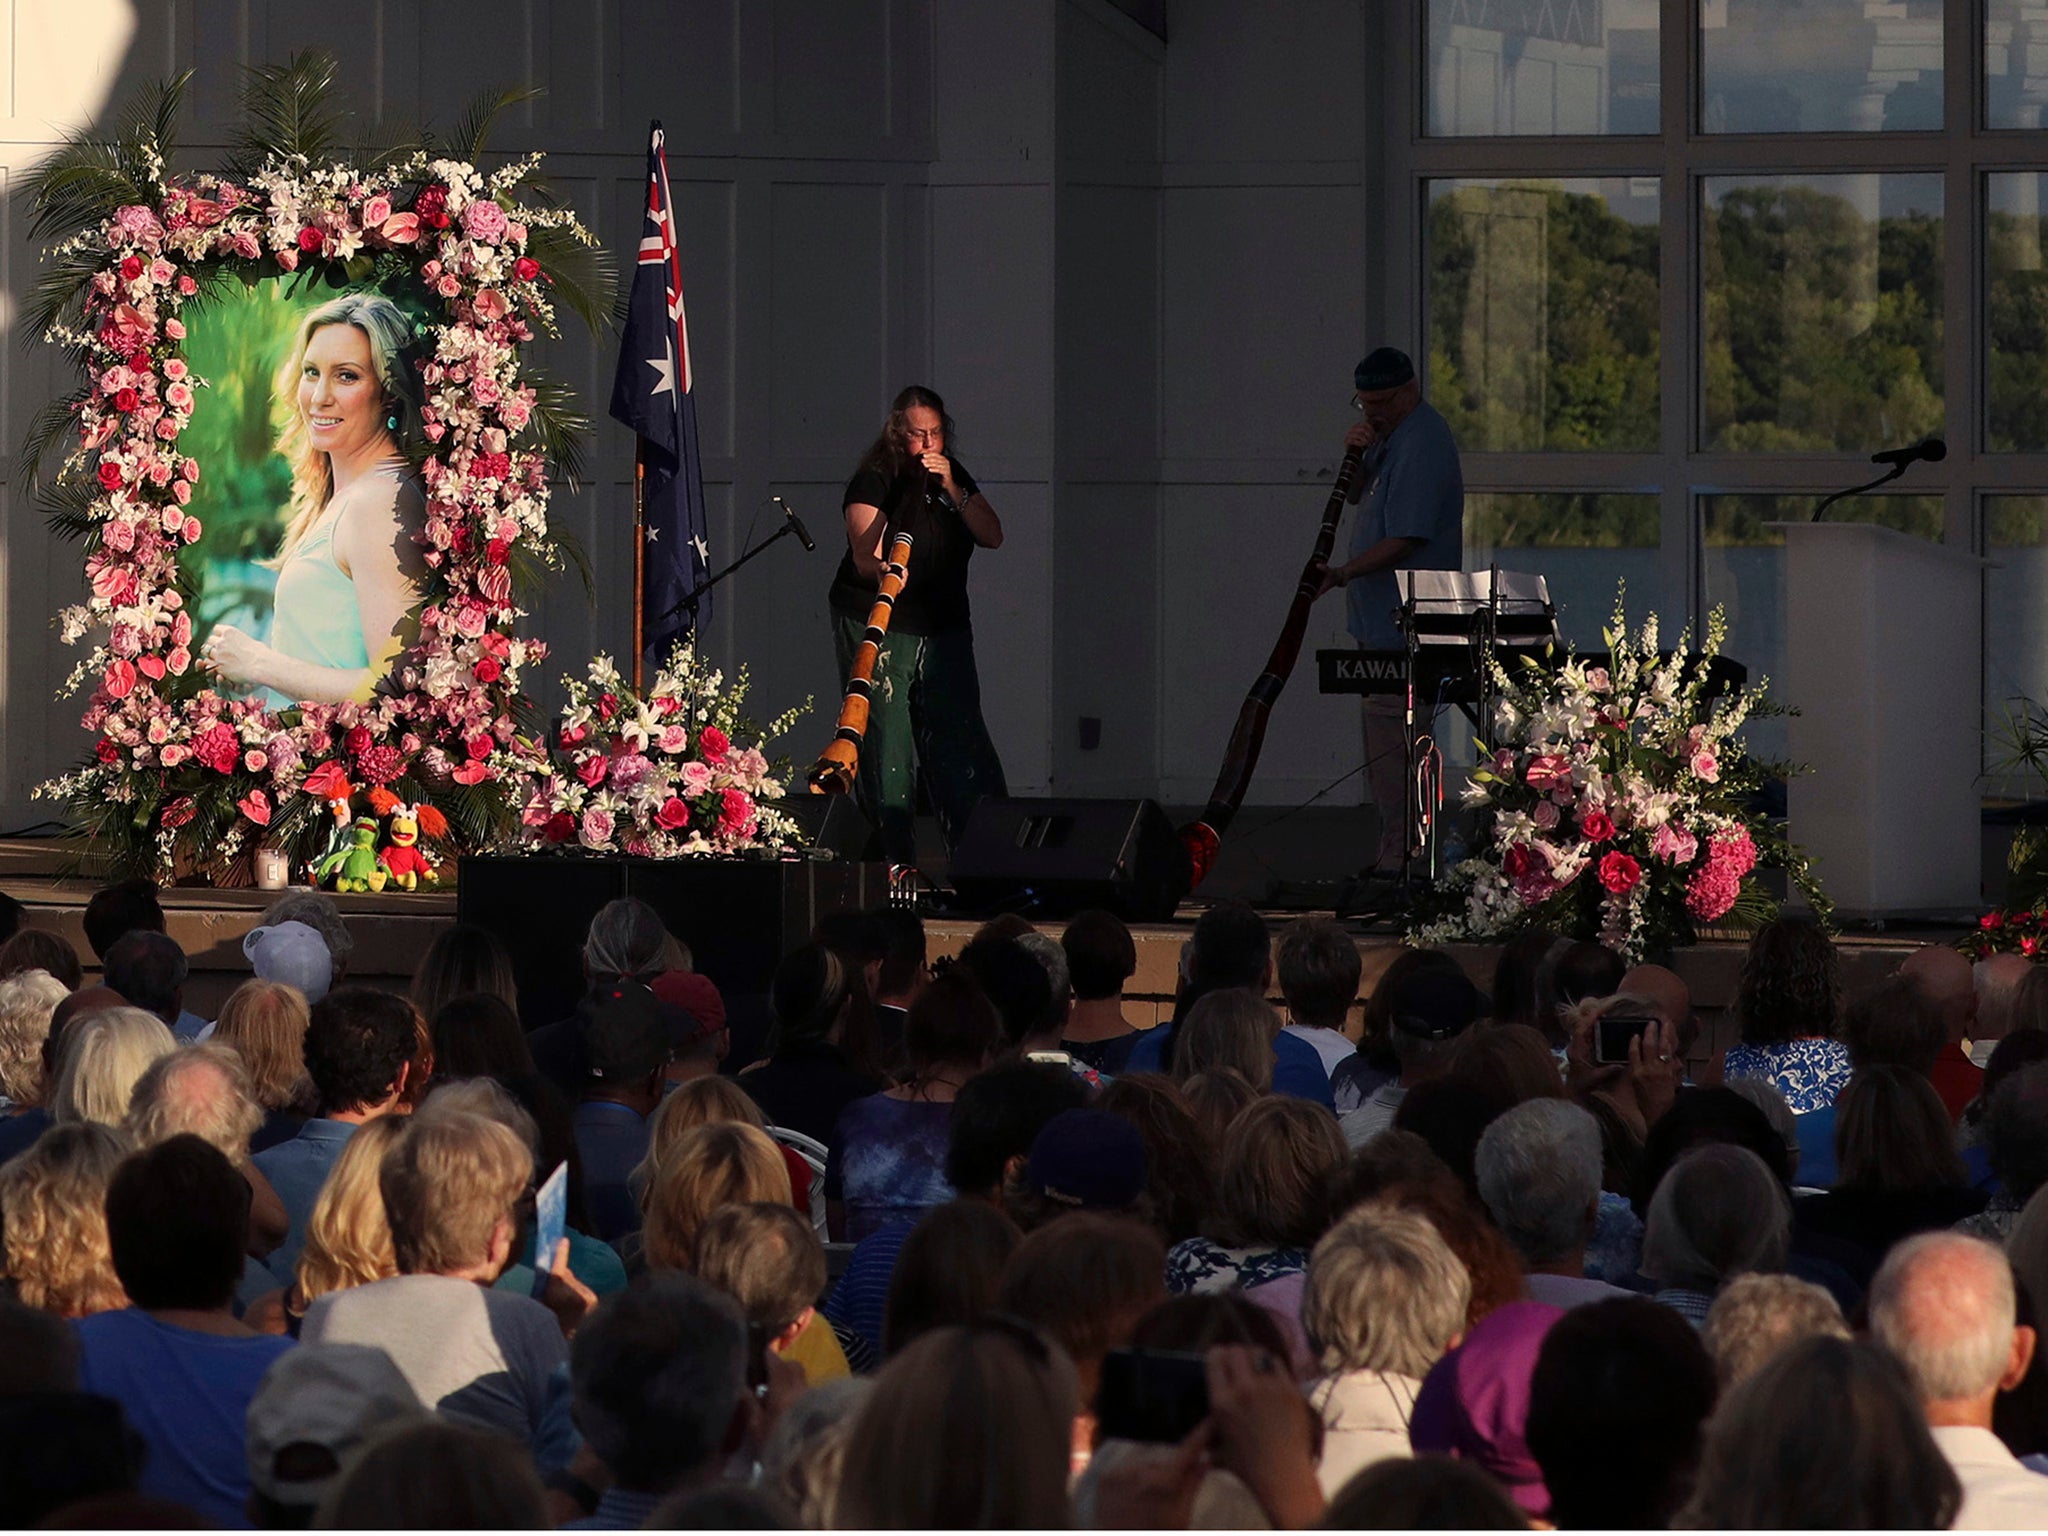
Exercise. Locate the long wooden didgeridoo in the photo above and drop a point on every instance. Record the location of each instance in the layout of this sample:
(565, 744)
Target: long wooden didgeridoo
(834, 770)
(1205, 836)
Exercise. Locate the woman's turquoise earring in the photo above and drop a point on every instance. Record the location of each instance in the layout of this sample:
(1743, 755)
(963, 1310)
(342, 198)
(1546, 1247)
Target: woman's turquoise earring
(391, 422)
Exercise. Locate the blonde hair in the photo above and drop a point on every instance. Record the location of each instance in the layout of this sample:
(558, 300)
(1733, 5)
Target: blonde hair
(27, 1000)
(389, 334)
(54, 1197)
(265, 1021)
(702, 1101)
(348, 1239)
(708, 1168)
(447, 1182)
(1385, 1293)
(105, 1054)
(166, 1102)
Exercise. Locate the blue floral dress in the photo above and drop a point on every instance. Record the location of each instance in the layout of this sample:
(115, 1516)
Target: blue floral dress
(1203, 1268)
(1808, 1072)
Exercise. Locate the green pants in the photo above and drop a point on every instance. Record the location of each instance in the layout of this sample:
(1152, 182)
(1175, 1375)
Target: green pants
(925, 712)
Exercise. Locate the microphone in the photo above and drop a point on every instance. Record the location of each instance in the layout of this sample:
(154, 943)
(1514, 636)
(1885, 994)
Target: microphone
(1933, 450)
(803, 534)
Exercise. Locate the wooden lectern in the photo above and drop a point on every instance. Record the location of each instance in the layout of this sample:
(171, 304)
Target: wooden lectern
(1884, 636)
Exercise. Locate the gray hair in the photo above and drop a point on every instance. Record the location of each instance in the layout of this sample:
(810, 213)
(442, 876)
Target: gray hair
(626, 939)
(656, 1375)
(1538, 1168)
(806, 1450)
(1945, 1305)
(27, 1000)
(1384, 1293)
(200, 1090)
(105, 1054)
(1048, 953)
(1756, 1317)
(488, 1097)
(1718, 1213)
(316, 909)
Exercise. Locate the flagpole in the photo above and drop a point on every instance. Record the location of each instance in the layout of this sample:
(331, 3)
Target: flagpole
(639, 562)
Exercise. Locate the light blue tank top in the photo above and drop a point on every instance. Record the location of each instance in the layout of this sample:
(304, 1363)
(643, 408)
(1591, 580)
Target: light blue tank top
(314, 617)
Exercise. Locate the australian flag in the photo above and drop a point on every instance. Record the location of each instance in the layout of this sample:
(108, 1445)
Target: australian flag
(651, 394)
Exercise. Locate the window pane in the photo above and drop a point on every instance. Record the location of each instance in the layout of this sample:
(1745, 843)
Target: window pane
(1820, 66)
(2015, 611)
(1821, 323)
(2015, 312)
(1543, 312)
(2015, 64)
(1744, 568)
(1582, 545)
(1541, 67)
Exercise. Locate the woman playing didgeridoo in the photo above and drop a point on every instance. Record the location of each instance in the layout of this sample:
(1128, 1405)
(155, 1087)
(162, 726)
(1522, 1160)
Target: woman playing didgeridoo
(926, 703)
(349, 572)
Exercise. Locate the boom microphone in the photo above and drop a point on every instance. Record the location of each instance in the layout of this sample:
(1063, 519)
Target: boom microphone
(1933, 450)
(803, 534)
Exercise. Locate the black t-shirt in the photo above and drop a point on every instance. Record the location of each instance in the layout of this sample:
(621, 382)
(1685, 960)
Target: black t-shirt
(934, 597)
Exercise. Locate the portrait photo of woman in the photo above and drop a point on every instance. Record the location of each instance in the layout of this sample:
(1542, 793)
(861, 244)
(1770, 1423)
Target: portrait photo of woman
(349, 569)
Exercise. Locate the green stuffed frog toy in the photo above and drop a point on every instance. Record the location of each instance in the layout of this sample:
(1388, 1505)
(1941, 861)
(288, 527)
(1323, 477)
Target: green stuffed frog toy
(355, 868)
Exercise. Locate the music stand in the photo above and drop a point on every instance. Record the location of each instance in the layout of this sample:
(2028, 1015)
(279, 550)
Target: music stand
(1456, 621)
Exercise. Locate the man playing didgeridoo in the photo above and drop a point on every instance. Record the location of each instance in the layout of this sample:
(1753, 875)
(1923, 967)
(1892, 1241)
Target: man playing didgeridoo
(1413, 518)
(925, 708)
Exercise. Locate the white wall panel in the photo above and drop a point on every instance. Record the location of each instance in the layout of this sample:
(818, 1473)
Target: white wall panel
(827, 320)
(1248, 83)
(992, 324)
(1012, 638)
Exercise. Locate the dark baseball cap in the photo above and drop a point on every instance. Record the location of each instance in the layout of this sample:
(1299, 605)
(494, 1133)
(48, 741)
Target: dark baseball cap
(1088, 1160)
(1436, 1003)
(628, 1034)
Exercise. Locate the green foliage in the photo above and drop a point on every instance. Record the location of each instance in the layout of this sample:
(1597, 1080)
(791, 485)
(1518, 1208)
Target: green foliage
(289, 109)
(1820, 327)
(1543, 319)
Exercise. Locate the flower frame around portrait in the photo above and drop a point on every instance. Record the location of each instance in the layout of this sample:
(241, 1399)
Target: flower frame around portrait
(184, 779)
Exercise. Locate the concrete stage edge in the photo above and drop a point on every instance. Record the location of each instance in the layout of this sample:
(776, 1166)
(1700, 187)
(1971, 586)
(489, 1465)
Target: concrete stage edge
(393, 932)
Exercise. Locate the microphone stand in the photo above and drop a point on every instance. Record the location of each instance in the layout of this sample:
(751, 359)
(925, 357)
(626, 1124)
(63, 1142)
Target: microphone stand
(691, 599)
(1886, 478)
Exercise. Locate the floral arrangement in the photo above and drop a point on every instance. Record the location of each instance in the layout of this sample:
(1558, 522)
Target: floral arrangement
(658, 773)
(1615, 804)
(2011, 931)
(182, 780)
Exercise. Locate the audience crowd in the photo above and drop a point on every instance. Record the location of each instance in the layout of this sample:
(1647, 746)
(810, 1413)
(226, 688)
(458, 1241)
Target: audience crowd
(980, 1243)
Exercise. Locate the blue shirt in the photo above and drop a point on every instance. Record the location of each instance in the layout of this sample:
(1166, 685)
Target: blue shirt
(187, 1394)
(1414, 489)
(611, 1139)
(888, 1161)
(1297, 1065)
(860, 1300)
(618, 1510)
(1809, 1071)
(296, 1170)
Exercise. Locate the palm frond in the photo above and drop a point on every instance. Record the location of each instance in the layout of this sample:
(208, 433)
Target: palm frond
(560, 428)
(60, 289)
(151, 124)
(288, 109)
(55, 421)
(472, 130)
(77, 188)
(584, 277)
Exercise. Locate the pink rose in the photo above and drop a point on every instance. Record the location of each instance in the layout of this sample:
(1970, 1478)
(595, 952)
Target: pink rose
(179, 661)
(673, 739)
(1546, 815)
(1705, 767)
(592, 768)
(484, 220)
(255, 760)
(376, 211)
(1619, 873)
(447, 287)
(179, 397)
(161, 272)
(695, 779)
(175, 329)
(1673, 844)
(173, 753)
(596, 830)
(249, 248)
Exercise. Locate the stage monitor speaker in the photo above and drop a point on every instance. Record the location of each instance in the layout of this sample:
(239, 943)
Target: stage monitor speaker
(1051, 858)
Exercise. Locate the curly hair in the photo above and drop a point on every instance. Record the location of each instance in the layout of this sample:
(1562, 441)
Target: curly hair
(27, 1000)
(1791, 983)
(54, 1201)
